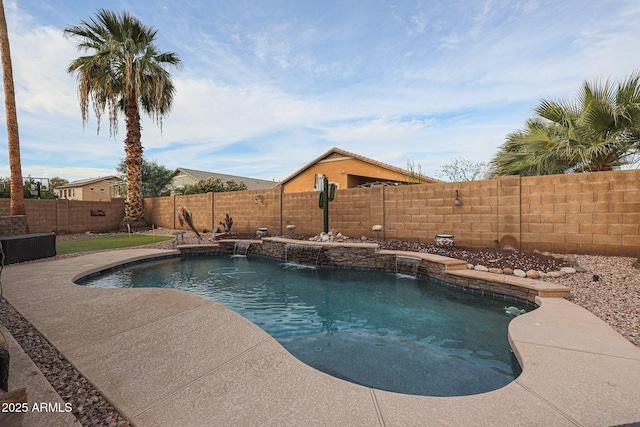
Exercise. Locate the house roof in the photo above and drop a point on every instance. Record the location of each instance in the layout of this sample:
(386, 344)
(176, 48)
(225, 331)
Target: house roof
(348, 154)
(83, 182)
(251, 183)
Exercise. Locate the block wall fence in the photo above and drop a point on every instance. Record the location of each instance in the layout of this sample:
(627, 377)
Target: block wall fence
(68, 216)
(590, 213)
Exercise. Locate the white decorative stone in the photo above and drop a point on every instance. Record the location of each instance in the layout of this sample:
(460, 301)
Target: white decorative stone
(519, 273)
(480, 268)
(376, 227)
(470, 266)
(568, 270)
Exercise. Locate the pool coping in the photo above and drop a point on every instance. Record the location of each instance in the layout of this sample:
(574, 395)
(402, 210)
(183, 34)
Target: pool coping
(167, 357)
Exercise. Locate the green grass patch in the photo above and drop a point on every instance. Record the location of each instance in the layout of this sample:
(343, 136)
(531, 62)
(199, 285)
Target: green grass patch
(110, 242)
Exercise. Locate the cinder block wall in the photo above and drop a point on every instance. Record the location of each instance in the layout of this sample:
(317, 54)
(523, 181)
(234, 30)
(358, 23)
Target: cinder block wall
(160, 211)
(594, 213)
(302, 210)
(70, 216)
(250, 210)
(75, 216)
(200, 207)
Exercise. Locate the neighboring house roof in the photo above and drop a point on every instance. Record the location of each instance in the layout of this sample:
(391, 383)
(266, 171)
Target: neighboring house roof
(345, 153)
(83, 182)
(251, 183)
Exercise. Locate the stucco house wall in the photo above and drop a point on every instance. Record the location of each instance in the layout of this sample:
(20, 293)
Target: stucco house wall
(348, 170)
(93, 189)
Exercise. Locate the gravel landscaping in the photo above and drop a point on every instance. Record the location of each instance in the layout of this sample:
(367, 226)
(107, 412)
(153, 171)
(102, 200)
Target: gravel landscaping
(609, 287)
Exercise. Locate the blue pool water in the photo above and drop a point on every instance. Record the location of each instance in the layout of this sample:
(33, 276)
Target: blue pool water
(369, 327)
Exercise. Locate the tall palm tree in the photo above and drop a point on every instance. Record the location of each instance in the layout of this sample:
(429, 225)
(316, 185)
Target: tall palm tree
(16, 206)
(599, 131)
(124, 72)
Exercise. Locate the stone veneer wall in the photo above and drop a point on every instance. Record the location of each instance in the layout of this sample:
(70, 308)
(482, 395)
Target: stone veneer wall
(368, 256)
(13, 225)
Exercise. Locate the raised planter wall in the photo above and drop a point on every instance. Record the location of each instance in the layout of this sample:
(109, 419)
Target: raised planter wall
(446, 270)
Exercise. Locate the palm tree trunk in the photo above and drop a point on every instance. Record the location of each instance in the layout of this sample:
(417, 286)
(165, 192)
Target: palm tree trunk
(134, 208)
(16, 206)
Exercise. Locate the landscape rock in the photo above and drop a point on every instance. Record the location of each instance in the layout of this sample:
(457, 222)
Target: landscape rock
(495, 270)
(470, 266)
(532, 274)
(555, 274)
(519, 273)
(507, 270)
(481, 268)
(568, 270)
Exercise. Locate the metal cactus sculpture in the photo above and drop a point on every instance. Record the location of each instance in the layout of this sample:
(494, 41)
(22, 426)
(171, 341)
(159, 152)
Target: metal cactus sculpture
(227, 224)
(326, 195)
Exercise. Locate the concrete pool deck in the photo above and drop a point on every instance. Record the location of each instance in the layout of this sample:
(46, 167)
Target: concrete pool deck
(165, 357)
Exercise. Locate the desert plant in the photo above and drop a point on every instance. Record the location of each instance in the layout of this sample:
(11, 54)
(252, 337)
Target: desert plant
(227, 223)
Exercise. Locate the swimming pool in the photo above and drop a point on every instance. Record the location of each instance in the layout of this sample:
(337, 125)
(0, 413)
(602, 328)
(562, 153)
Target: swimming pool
(369, 327)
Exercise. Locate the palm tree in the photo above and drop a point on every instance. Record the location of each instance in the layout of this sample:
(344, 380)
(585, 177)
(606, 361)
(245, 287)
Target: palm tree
(123, 72)
(16, 206)
(600, 131)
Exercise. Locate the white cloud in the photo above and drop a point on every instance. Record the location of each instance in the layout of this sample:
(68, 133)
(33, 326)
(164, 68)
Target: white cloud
(267, 90)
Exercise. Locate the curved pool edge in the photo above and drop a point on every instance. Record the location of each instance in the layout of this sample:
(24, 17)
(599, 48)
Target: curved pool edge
(196, 364)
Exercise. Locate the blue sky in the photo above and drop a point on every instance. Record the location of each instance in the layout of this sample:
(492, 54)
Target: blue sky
(267, 86)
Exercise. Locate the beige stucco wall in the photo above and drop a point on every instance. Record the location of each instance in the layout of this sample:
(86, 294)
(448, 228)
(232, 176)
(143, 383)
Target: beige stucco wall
(94, 192)
(344, 172)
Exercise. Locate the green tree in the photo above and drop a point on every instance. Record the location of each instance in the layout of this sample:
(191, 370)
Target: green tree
(124, 72)
(155, 178)
(56, 182)
(212, 185)
(599, 131)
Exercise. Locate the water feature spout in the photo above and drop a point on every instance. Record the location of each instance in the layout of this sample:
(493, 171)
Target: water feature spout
(407, 266)
(240, 249)
(301, 256)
